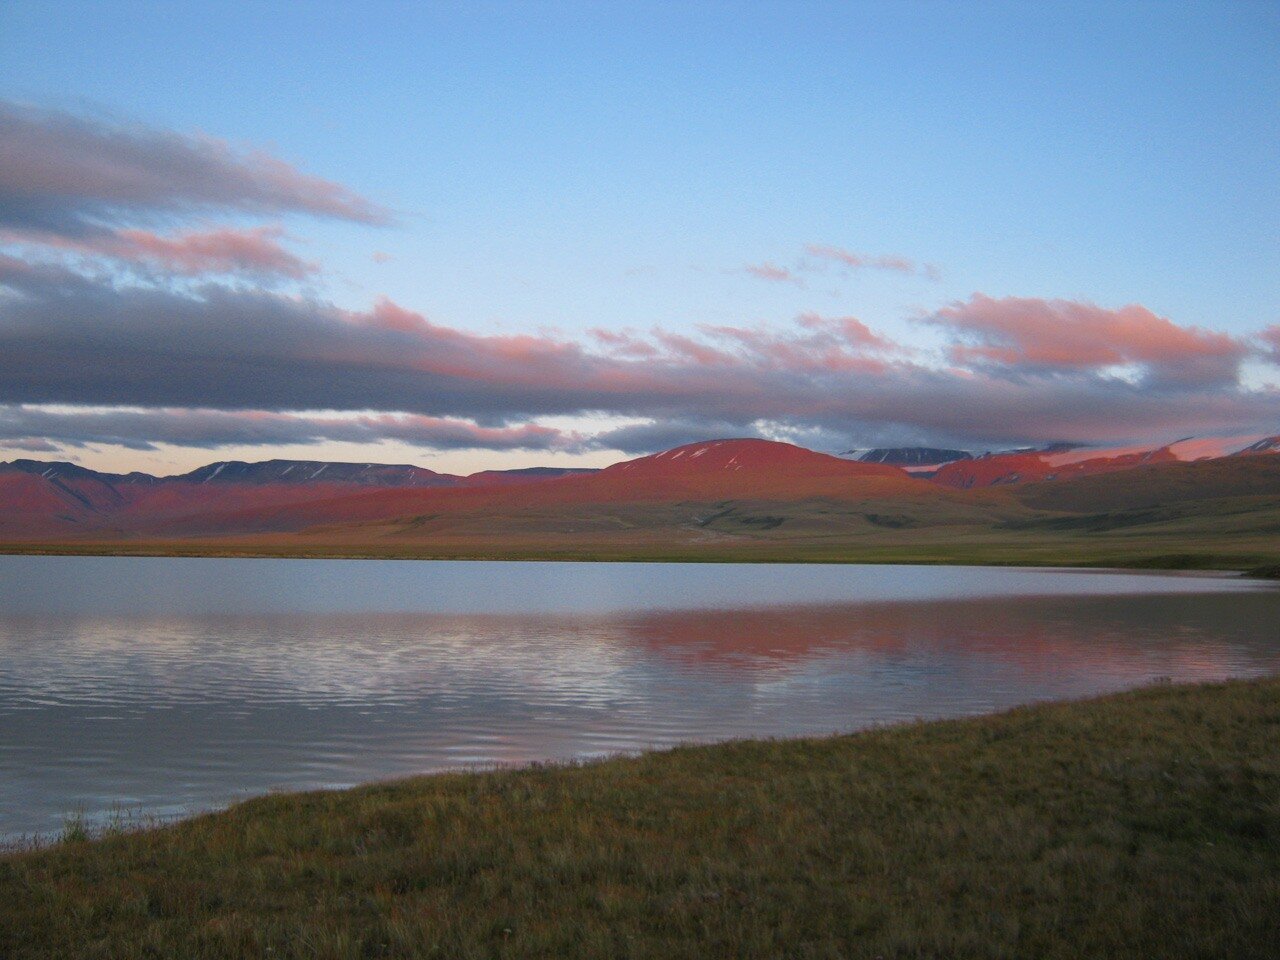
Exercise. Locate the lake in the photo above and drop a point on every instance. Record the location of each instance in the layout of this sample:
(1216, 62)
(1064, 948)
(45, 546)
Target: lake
(161, 686)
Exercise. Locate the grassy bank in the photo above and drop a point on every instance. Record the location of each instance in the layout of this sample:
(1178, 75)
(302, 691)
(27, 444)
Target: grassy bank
(1259, 559)
(1141, 825)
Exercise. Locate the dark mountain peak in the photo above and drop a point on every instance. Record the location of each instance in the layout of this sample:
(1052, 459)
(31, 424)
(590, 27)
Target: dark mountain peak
(543, 471)
(53, 470)
(913, 456)
(1265, 445)
(50, 469)
(317, 471)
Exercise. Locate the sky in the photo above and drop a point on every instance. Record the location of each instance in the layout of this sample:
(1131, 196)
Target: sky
(484, 235)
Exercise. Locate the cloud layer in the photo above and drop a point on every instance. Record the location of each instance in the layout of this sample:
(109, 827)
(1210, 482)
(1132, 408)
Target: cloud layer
(127, 318)
(37, 428)
(74, 340)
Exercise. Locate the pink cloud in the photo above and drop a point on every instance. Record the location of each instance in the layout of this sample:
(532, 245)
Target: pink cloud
(253, 251)
(388, 315)
(623, 343)
(859, 261)
(686, 348)
(1027, 332)
(850, 329)
(772, 272)
(224, 250)
(820, 345)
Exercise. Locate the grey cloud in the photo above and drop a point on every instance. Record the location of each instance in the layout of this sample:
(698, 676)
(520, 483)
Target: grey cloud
(37, 429)
(63, 175)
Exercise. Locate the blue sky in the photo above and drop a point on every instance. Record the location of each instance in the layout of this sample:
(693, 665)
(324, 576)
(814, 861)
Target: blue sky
(557, 168)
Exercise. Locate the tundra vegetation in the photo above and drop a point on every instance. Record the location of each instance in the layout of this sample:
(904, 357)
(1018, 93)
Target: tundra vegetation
(1145, 824)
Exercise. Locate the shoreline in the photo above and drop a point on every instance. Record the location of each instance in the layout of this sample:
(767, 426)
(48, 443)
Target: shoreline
(1251, 566)
(79, 824)
(1118, 819)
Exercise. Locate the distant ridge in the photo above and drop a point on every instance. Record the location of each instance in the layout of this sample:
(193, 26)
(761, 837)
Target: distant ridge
(56, 499)
(292, 472)
(62, 470)
(319, 471)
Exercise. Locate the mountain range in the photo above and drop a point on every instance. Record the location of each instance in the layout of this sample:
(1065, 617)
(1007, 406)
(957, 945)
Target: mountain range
(717, 498)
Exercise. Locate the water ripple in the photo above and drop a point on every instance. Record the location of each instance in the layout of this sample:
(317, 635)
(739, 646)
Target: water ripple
(174, 712)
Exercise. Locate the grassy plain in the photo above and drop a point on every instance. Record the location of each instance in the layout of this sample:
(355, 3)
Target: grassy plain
(1140, 825)
(1200, 543)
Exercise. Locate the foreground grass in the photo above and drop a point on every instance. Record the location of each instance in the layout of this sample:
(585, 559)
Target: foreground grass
(1140, 825)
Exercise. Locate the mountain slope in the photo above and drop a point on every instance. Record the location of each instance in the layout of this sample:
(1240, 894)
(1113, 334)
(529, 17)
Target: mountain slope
(747, 467)
(56, 499)
(1157, 485)
(995, 469)
(710, 495)
(700, 472)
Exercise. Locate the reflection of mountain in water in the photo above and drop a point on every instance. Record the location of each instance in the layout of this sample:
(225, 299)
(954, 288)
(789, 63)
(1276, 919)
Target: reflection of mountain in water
(1075, 633)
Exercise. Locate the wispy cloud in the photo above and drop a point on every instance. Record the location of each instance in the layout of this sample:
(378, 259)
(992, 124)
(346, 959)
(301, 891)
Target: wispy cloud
(864, 261)
(824, 256)
(253, 252)
(772, 272)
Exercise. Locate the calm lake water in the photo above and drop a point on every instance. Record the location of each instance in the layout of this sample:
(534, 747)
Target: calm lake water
(169, 686)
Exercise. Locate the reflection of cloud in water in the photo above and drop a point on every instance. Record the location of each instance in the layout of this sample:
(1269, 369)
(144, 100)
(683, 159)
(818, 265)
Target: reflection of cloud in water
(335, 658)
(196, 710)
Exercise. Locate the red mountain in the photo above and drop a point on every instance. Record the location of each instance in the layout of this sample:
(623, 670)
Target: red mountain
(61, 500)
(699, 472)
(1029, 467)
(741, 468)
